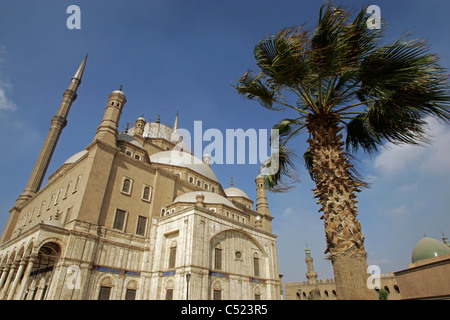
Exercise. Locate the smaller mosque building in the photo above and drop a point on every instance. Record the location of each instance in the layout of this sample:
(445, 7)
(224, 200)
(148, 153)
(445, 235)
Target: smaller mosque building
(428, 276)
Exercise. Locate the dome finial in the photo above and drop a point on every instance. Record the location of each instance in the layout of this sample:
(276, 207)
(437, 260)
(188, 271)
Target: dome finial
(232, 184)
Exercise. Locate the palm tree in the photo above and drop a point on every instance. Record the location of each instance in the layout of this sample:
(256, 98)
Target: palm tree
(344, 81)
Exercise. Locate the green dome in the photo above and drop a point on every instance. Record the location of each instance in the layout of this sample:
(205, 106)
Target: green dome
(429, 248)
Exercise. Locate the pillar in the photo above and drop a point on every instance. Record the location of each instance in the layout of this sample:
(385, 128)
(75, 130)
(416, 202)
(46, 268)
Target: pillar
(26, 277)
(8, 280)
(22, 265)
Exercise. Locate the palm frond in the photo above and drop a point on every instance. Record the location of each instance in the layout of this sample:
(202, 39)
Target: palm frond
(360, 135)
(282, 57)
(257, 87)
(279, 170)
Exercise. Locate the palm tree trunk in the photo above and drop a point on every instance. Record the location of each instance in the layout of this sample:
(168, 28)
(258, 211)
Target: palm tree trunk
(336, 189)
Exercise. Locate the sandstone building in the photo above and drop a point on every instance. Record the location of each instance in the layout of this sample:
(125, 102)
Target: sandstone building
(129, 217)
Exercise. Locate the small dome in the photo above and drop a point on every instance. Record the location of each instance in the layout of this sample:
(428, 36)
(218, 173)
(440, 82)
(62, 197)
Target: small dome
(210, 198)
(183, 159)
(75, 157)
(429, 248)
(119, 92)
(235, 192)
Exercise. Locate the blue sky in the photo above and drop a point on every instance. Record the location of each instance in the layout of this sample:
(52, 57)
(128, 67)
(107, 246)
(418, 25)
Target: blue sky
(183, 56)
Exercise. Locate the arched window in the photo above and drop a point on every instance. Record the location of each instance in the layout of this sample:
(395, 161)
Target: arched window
(257, 293)
(169, 290)
(130, 293)
(397, 289)
(126, 185)
(146, 193)
(217, 290)
(105, 289)
(387, 289)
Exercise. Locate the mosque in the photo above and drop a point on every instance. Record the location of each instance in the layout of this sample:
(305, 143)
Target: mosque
(427, 276)
(130, 218)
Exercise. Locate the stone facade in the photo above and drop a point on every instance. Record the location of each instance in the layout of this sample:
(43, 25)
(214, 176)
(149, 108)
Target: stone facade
(119, 221)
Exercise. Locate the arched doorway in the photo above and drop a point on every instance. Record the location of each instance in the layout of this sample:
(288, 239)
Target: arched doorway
(42, 272)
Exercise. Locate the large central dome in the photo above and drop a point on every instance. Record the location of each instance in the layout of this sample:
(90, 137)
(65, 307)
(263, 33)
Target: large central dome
(183, 159)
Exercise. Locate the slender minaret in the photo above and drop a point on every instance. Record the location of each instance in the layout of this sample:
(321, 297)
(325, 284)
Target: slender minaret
(58, 123)
(262, 206)
(311, 275)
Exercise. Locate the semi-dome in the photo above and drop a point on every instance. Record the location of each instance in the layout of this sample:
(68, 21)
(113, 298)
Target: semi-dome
(429, 248)
(210, 198)
(235, 192)
(75, 157)
(183, 159)
(126, 137)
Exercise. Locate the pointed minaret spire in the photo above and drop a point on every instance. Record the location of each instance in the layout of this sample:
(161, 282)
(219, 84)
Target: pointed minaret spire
(79, 74)
(58, 123)
(175, 125)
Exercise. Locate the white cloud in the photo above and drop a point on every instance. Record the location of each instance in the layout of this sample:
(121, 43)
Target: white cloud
(408, 187)
(399, 211)
(288, 211)
(5, 103)
(430, 158)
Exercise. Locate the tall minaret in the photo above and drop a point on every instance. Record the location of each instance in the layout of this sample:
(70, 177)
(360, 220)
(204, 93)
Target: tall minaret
(264, 218)
(262, 206)
(311, 275)
(58, 123)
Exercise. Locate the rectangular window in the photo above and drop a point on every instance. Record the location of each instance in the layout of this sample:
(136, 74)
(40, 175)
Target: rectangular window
(119, 221)
(131, 294)
(75, 187)
(257, 297)
(142, 223)
(169, 294)
(172, 257)
(218, 259)
(256, 266)
(217, 295)
(67, 215)
(104, 293)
